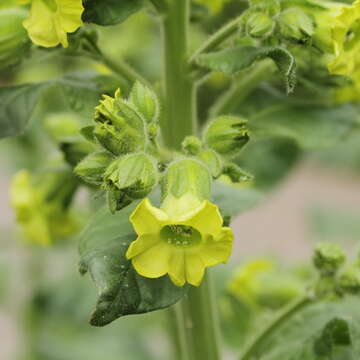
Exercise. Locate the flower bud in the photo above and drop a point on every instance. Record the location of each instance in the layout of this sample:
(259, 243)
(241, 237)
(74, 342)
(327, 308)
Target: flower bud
(259, 24)
(328, 258)
(236, 174)
(14, 41)
(186, 182)
(213, 161)
(131, 177)
(227, 135)
(145, 101)
(92, 168)
(349, 281)
(119, 129)
(296, 24)
(270, 7)
(191, 145)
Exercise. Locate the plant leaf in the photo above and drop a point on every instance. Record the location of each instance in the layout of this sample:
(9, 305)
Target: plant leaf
(122, 291)
(230, 61)
(17, 105)
(110, 12)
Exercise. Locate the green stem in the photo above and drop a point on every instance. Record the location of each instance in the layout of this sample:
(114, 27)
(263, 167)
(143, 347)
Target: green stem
(256, 345)
(202, 317)
(216, 39)
(241, 88)
(179, 102)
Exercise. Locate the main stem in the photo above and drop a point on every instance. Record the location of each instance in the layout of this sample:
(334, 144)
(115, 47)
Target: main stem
(195, 315)
(179, 119)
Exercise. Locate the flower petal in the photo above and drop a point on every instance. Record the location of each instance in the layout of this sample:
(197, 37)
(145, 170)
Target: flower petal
(177, 267)
(154, 262)
(217, 250)
(142, 244)
(49, 23)
(206, 218)
(194, 269)
(147, 219)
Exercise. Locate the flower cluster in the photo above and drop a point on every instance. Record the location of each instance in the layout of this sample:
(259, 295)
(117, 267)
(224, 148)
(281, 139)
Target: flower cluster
(186, 233)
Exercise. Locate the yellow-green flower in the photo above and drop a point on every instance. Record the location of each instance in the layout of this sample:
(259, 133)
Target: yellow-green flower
(346, 40)
(180, 239)
(42, 220)
(50, 21)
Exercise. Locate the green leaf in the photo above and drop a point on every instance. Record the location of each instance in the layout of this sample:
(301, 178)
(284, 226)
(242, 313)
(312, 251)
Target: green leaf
(122, 291)
(311, 126)
(231, 61)
(110, 12)
(17, 105)
(78, 93)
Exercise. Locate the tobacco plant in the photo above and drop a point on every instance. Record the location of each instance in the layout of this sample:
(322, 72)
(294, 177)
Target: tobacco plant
(168, 161)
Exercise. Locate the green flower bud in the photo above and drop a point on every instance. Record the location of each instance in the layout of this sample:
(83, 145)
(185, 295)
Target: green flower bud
(236, 174)
(349, 281)
(227, 135)
(270, 7)
(213, 161)
(131, 177)
(92, 168)
(186, 179)
(296, 24)
(259, 25)
(328, 258)
(14, 41)
(191, 145)
(145, 101)
(119, 129)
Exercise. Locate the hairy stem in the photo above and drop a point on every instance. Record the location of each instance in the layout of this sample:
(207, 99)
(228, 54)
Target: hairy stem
(179, 118)
(255, 346)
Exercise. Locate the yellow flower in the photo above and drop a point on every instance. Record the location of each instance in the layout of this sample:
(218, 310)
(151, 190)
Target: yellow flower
(180, 239)
(50, 21)
(41, 220)
(346, 40)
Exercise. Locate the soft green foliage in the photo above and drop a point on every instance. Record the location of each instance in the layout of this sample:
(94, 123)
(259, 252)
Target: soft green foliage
(110, 12)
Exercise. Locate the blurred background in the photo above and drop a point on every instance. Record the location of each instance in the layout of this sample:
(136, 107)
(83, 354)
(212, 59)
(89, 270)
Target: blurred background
(305, 191)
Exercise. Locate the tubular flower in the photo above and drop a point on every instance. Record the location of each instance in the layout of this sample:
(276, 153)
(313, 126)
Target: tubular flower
(181, 245)
(346, 40)
(186, 234)
(50, 21)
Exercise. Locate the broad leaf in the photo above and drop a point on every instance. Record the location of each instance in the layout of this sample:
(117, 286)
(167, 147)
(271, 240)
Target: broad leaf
(122, 291)
(110, 12)
(17, 104)
(231, 61)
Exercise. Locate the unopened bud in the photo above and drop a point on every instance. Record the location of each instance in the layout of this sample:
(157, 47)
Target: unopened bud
(213, 161)
(349, 281)
(227, 135)
(145, 101)
(328, 258)
(259, 24)
(296, 24)
(92, 168)
(119, 129)
(236, 173)
(131, 177)
(191, 145)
